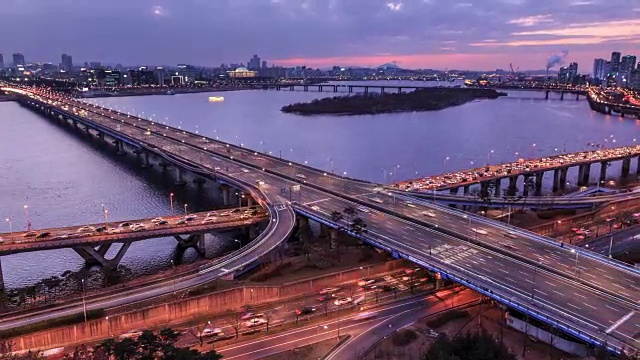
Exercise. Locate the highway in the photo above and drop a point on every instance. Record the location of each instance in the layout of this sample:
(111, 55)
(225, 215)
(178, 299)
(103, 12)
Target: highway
(523, 269)
(620, 242)
(124, 231)
(364, 333)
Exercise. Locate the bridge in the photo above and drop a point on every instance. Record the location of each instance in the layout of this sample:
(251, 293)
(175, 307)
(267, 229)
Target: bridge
(83, 239)
(583, 294)
(600, 102)
(532, 170)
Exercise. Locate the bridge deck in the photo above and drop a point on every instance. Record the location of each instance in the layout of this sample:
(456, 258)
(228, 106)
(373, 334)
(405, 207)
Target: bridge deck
(93, 234)
(520, 167)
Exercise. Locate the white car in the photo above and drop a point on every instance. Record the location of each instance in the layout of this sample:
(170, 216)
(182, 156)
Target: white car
(479, 231)
(315, 207)
(157, 220)
(251, 315)
(255, 322)
(342, 301)
(363, 209)
(211, 332)
(302, 176)
(429, 213)
(131, 334)
(208, 220)
(244, 170)
(329, 290)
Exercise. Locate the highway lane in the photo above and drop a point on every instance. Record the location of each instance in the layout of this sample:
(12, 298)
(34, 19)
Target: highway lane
(361, 186)
(386, 315)
(621, 241)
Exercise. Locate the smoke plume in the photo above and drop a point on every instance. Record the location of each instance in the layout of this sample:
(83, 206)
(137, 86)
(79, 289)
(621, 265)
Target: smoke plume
(556, 59)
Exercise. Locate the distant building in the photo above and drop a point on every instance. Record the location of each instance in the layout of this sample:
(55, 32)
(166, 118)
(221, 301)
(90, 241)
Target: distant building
(142, 76)
(615, 63)
(242, 72)
(634, 79)
(1, 62)
(264, 64)
(563, 74)
(254, 63)
(600, 69)
(67, 63)
(627, 64)
(572, 72)
(18, 59)
(95, 65)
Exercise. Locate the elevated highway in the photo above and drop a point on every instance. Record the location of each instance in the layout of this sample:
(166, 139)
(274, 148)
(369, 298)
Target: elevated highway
(586, 295)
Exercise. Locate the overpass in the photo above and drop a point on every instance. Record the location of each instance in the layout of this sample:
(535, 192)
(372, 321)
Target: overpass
(589, 296)
(600, 102)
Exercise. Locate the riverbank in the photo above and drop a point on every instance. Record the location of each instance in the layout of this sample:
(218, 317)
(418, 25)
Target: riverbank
(375, 103)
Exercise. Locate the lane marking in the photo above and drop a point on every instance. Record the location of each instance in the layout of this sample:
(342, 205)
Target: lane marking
(621, 321)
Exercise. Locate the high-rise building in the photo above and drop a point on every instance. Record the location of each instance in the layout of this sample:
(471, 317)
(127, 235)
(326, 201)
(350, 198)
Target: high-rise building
(615, 63)
(600, 70)
(627, 64)
(18, 59)
(67, 63)
(572, 72)
(254, 63)
(1, 62)
(264, 64)
(634, 79)
(563, 74)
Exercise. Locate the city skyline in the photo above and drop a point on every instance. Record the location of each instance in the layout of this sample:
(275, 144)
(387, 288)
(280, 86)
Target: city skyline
(434, 34)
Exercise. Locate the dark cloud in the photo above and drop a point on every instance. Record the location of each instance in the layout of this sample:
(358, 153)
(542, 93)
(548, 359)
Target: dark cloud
(420, 33)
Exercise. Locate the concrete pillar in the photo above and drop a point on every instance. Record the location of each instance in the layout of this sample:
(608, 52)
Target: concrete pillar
(335, 88)
(75, 124)
(253, 232)
(577, 96)
(563, 178)
(539, 177)
(249, 201)
(546, 95)
(586, 174)
(454, 191)
(179, 178)
(333, 236)
(120, 148)
(484, 188)
(562, 95)
(467, 188)
(399, 90)
(366, 89)
(226, 192)
(201, 246)
(1, 276)
(603, 170)
(498, 184)
(306, 88)
(556, 180)
(350, 89)
(320, 88)
(324, 230)
(513, 185)
(580, 174)
(626, 165)
(382, 90)
(145, 160)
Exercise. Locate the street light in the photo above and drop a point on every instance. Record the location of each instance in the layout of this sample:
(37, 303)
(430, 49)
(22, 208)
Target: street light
(26, 211)
(489, 157)
(171, 200)
(10, 227)
(239, 243)
(84, 304)
(185, 209)
(575, 270)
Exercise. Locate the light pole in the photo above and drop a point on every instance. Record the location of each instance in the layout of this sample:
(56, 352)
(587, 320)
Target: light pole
(11, 229)
(26, 212)
(489, 157)
(575, 271)
(84, 304)
(108, 325)
(171, 201)
(106, 215)
(610, 244)
(239, 243)
(185, 209)
(173, 267)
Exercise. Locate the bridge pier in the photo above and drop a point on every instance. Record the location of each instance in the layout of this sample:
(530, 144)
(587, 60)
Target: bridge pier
(382, 90)
(366, 89)
(350, 88)
(484, 189)
(305, 88)
(603, 171)
(335, 88)
(621, 114)
(145, 160)
(562, 95)
(626, 166)
(467, 188)
(399, 90)
(324, 230)
(195, 241)
(584, 174)
(513, 186)
(546, 95)
(454, 191)
(1, 276)
(577, 96)
(97, 257)
(525, 188)
(320, 88)
(563, 178)
(496, 191)
(226, 193)
(556, 180)
(179, 178)
(638, 167)
(539, 177)
(333, 238)
(120, 148)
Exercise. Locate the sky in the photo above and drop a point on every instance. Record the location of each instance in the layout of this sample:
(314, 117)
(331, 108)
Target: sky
(435, 34)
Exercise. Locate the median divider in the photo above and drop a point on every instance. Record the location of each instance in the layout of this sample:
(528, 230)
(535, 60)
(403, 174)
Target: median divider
(343, 339)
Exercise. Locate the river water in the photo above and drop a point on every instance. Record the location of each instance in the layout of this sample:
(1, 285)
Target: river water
(65, 179)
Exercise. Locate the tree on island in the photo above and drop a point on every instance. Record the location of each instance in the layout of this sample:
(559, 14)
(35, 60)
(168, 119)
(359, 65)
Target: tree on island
(470, 346)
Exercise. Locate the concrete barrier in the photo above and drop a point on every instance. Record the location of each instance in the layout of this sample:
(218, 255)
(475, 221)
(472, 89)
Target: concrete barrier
(190, 309)
(567, 346)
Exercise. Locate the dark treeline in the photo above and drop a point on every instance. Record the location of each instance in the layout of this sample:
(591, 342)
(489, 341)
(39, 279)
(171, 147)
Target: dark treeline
(375, 103)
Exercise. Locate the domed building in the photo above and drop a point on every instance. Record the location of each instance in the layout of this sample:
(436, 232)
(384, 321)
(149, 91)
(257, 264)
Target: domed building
(242, 72)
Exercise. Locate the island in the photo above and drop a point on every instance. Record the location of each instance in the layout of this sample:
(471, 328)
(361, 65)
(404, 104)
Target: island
(436, 98)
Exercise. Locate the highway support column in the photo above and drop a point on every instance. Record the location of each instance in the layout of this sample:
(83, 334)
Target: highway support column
(626, 166)
(539, 177)
(179, 178)
(324, 230)
(563, 178)
(496, 191)
(513, 185)
(120, 148)
(525, 189)
(603, 171)
(1, 276)
(333, 237)
(556, 180)
(93, 256)
(226, 191)
(145, 160)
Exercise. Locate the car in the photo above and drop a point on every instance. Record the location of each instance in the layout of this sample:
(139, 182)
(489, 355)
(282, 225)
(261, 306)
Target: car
(217, 168)
(210, 214)
(255, 322)
(210, 332)
(342, 301)
(191, 217)
(260, 182)
(244, 170)
(509, 234)
(479, 231)
(139, 227)
(410, 204)
(377, 199)
(43, 235)
(208, 220)
(113, 231)
(429, 213)
(157, 220)
(132, 334)
(305, 310)
(251, 315)
(364, 282)
(163, 222)
(366, 315)
(245, 216)
(315, 207)
(301, 176)
(101, 229)
(86, 229)
(124, 224)
(30, 234)
(234, 211)
(226, 213)
(329, 290)
(363, 209)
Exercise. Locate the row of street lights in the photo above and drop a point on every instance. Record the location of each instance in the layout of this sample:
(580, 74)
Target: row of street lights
(26, 212)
